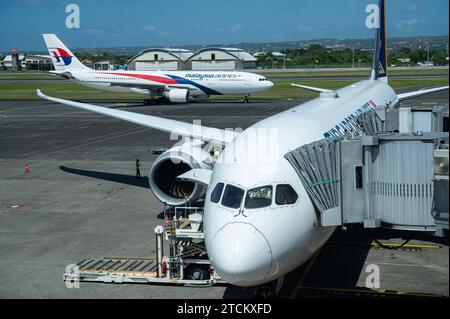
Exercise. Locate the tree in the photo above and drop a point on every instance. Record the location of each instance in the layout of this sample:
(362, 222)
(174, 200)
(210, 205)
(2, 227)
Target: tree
(440, 59)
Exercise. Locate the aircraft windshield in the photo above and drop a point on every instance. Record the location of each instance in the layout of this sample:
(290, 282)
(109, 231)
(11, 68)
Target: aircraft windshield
(216, 193)
(285, 195)
(232, 197)
(259, 197)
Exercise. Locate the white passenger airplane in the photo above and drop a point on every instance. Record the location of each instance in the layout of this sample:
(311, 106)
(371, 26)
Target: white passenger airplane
(260, 223)
(175, 86)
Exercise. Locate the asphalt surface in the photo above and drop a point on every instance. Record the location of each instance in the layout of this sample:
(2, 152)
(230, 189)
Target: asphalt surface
(288, 78)
(81, 200)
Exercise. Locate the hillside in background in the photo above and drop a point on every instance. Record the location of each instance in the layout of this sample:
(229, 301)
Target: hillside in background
(434, 42)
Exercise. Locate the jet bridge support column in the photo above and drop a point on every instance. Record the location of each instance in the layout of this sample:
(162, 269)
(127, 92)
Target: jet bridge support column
(159, 231)
(367, 143)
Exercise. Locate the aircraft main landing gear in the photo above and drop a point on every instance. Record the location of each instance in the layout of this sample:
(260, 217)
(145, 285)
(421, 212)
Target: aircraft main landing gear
(154, 101)
(149, 102)
(246, 99)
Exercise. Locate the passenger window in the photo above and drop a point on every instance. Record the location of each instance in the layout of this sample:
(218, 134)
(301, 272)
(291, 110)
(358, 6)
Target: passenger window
(232, 197)
(259, 197)
(285, 195)
(216, 193)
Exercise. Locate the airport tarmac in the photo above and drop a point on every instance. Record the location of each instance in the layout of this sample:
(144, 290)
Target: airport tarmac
(309, 77)
(81, 200)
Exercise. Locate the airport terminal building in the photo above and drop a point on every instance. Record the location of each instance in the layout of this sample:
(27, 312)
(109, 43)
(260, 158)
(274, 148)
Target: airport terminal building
(30, 62)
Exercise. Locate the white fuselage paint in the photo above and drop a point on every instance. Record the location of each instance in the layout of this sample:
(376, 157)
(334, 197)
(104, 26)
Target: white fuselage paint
(260, 245)
(199, 83)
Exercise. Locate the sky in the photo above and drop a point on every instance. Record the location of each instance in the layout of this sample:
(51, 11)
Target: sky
(110, 23)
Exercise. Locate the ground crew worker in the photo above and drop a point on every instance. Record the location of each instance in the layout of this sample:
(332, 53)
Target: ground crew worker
(138, 171)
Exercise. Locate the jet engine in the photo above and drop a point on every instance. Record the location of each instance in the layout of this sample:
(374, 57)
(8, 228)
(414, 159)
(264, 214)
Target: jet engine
(171, 164)
(177, 95)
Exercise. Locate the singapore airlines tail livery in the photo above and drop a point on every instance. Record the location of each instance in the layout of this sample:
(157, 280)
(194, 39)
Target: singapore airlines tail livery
(176, 86)
(259, 222)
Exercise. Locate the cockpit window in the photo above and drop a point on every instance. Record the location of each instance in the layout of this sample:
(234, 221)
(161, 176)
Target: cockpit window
(262, 79)
(216, 193)
(285, 195)
(232, 197)
(259, 197)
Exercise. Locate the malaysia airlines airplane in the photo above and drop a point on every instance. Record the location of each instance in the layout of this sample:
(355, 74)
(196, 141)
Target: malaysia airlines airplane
(175, 86)
(259, 222)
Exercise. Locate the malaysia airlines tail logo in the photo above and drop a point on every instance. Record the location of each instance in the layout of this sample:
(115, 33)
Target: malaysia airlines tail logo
(61, 56)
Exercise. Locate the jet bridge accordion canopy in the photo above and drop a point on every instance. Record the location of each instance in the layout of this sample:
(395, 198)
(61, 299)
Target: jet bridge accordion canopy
(380, 180)
(317, 166)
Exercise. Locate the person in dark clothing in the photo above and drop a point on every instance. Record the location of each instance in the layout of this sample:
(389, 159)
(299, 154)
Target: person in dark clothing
(138, 169)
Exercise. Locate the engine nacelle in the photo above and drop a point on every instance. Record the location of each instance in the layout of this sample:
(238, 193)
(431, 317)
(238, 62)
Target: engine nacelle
(171, 164)
(177, 95)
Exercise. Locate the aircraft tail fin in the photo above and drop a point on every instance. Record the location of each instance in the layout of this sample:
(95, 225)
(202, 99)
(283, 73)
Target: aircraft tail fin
(62, 57)
(380, 56)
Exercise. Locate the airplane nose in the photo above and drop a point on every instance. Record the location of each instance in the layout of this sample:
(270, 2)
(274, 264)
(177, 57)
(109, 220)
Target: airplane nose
(269, 84)
(240, 254)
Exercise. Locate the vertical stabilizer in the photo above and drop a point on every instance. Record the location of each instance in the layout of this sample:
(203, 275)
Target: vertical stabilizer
(62, 57)
(380, 56)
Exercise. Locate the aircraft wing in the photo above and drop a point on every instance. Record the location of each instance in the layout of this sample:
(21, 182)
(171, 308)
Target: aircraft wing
(206, 134)
(311, 88)
(410, 95)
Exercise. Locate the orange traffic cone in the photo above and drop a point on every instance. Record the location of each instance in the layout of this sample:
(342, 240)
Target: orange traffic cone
(27, 168)
(166, 221)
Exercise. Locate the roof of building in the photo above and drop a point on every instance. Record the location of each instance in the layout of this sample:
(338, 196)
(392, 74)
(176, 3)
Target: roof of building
(38, 56)
(8, 58)
(236, 52)
(275, 54)
(180, 54)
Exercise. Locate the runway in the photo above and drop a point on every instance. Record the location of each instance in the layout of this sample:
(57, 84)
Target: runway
(81, 200)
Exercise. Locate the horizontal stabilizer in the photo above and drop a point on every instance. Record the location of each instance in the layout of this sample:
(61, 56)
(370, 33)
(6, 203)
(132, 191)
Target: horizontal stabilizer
(312, 88)
(410, 95)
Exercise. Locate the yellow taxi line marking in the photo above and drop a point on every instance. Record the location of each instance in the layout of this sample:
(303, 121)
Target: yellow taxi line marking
(374, 292)
(374, 244)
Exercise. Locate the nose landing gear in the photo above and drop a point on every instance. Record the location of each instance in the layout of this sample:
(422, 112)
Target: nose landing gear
(246, 99)
(269, 290)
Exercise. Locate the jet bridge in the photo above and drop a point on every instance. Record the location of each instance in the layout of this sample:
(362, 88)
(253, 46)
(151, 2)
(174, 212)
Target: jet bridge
(379, 178)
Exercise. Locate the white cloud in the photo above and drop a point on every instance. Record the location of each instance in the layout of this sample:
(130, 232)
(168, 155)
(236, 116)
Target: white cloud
(408, 24)
(236, 28)
(92, 31)
(304, 28)
(412, 8)
(148, 27)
